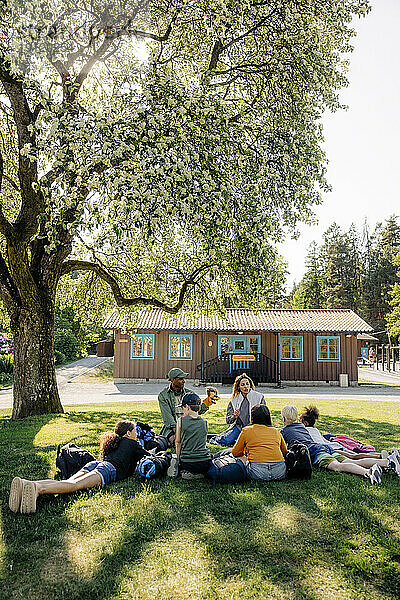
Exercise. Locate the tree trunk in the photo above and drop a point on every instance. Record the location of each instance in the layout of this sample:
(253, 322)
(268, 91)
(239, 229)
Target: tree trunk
(35, 385)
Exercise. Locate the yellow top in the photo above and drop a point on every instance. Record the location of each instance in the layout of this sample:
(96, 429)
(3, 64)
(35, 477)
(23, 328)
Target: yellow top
(261, 444)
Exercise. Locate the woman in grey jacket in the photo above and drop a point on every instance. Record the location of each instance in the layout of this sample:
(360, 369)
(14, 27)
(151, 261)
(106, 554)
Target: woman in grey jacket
(243, 398)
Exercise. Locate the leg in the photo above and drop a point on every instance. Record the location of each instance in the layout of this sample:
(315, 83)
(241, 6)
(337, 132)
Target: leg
(79, 481)
(368, 462)
(32, 489)
(359, 455)
(347, 466)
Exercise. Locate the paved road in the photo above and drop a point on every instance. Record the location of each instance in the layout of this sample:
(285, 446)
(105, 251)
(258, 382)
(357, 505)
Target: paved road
(73, 392)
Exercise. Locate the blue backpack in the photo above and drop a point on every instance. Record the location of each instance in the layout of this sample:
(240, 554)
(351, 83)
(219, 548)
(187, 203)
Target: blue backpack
(227, 469)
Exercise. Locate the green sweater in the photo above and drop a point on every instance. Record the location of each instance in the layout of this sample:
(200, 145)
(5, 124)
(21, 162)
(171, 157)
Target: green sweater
(194, 437)
(166, 400)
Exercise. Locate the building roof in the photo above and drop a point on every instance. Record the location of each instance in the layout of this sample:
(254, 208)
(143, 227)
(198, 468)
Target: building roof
(243, 319)
(366, 337)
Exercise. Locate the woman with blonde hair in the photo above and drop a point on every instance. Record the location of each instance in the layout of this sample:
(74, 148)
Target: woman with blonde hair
(244, 398)
(119, 453)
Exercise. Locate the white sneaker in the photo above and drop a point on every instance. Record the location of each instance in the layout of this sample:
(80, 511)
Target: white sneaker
(173, 468)
(394, 462)
(374, 474)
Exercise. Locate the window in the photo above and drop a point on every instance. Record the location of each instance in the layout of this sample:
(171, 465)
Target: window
(328, 348)
(142, 345)
(291, 347)
(180, 347)
(240, 344)
(224, 344)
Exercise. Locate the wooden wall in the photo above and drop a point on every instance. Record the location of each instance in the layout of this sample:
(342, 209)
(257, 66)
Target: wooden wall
(311, 370)
(125, 367)
(307, 370)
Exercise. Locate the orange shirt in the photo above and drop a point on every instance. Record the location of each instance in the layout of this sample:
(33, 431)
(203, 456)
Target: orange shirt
(261, 443)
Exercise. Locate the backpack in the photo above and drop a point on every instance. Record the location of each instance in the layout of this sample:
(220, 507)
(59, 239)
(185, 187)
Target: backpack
(144, 433)
(148, 440)
(159, 443)
(71, 458)
(226, 469)
(152, 467)
(298, 461)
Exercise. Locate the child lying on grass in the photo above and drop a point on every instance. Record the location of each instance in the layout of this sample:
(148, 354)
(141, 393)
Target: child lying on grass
(322, 455)
(308, 417)
(119, 453)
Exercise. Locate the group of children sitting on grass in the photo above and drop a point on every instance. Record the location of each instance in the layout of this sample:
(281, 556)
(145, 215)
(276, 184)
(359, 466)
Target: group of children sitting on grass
(260, 446)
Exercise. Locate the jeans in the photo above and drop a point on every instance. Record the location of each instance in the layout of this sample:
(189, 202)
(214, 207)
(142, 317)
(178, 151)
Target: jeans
(227, 437)
(266, 471)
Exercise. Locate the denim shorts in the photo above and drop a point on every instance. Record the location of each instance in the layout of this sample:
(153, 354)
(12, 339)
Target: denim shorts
(266, 471)
(105, 469)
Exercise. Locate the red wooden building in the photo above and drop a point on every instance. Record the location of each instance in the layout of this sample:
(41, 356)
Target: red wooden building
(272, 346)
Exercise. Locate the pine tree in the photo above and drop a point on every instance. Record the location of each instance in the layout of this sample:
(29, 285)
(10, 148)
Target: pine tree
(382, 275)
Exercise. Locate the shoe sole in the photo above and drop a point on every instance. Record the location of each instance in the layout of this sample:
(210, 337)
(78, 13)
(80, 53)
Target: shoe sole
(193, 476)
(172, 470)
(28, 501)
(14, 501)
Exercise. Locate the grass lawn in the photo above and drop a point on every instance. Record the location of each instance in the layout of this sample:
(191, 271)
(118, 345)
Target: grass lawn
(333, 537)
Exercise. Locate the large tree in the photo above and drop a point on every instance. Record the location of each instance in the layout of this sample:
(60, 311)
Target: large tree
(185, 131)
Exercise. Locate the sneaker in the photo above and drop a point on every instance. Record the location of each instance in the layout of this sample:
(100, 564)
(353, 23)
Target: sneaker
(29, 495)
(374, 474)
(394, 462)
(14, 501)
(173, 468)
(189, 475)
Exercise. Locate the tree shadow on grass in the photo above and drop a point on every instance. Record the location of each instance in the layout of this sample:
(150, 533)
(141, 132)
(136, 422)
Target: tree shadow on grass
(280, 537)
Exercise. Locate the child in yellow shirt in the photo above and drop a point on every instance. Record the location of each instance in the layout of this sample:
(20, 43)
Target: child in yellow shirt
(261, 446)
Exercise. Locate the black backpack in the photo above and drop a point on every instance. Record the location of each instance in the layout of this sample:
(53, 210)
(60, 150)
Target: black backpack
(159, 443)
(70, 459)
(153, 467)
(298, 461)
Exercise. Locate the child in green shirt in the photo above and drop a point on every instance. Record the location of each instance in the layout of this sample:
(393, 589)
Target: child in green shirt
(192, 455)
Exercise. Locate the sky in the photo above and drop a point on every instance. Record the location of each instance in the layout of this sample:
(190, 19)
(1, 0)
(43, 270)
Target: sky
(363, 143)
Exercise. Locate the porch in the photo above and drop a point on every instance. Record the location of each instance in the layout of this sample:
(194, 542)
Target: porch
(225, 367)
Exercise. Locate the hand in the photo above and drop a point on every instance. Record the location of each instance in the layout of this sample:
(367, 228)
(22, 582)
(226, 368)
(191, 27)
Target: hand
(236, 413)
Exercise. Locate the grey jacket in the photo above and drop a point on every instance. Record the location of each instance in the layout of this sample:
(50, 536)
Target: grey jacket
(236, 402)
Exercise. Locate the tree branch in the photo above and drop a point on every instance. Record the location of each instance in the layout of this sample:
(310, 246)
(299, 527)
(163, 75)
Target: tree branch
(80, 265)
(215, 54)
(32, 202)
(5, 226)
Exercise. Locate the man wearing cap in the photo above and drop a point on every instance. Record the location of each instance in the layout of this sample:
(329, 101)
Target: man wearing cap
(170, 400)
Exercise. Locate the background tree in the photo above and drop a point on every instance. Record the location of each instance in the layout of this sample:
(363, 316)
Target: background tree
(308, 294)
(382, 273)
(355, 270)
(209, 145)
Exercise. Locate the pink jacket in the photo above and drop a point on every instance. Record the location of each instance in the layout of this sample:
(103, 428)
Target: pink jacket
(351, 444)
